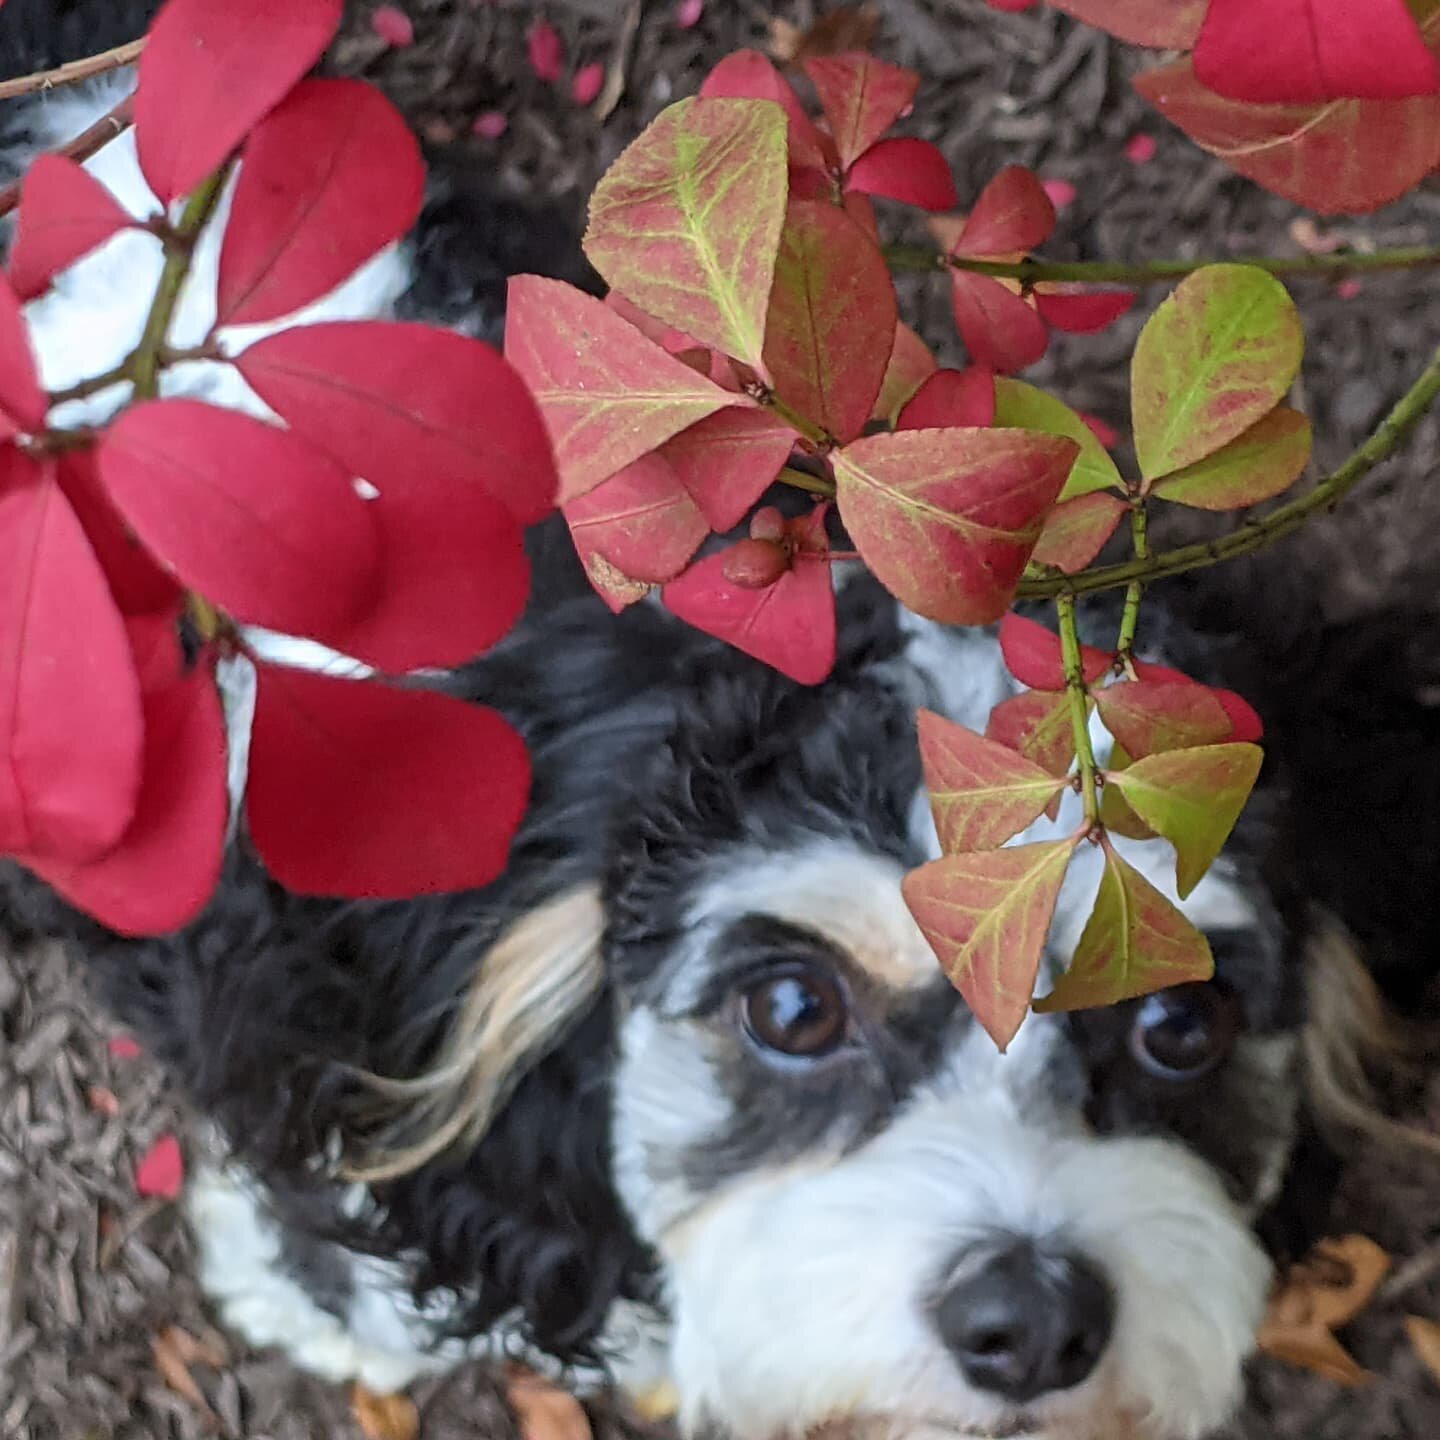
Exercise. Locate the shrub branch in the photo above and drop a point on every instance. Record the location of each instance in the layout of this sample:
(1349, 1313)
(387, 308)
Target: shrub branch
(1078, 694)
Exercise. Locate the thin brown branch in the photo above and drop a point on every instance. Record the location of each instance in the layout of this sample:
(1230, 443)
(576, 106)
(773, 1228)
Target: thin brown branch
(72, 73)
(114, 122)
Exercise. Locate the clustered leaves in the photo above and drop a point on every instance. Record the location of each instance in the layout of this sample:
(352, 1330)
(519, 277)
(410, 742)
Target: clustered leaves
(135, 553)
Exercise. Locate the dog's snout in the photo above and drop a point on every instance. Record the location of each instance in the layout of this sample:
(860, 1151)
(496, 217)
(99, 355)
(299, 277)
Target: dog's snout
(1023, 1320)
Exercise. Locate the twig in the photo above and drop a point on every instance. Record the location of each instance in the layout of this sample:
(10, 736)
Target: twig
(1149, 272)
(114, 122)
(1078, 693)
(75, 71)
(615, 72)
(1130, 616)
(1257, 534)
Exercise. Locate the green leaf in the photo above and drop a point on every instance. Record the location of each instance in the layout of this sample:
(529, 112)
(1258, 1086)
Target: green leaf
(1147, 716)
(1258, 465)
(1115, 815)
(911, 365)
(1218, 355)
(1134, 943)
(981, 792)
(1193, 798)
(686, 223)
(946, 519)
(1023, 407)
(986, 917)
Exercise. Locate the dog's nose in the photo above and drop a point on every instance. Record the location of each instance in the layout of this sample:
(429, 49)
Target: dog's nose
(1024, 1320)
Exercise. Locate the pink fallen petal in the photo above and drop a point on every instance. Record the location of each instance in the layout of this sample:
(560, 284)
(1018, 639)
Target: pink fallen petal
(1349, 288)
(546, 50)
(587, 82)
(688, 13)
(490, 125)
(122, 1047)
(161, 1171)
(1061, 192)
(393, 26)
(1141, 149)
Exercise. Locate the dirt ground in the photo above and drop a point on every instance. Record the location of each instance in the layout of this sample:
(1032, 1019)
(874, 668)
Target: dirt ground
(90, 1275)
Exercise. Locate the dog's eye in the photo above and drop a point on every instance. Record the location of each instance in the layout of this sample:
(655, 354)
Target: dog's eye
(796, 1012)
(1184, 1033)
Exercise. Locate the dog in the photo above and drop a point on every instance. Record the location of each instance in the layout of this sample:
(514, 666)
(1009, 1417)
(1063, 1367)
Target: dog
(682, 1101)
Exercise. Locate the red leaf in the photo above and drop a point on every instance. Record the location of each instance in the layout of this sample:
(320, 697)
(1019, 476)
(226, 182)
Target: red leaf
(986, 917)
(160, 1175)
(1134, 943)
(1149, 716)
(1160, 24)
(331, 175)
(981, 792)
(358, 789)
(862, 98)
(946, 519)
(404, 404)
(1013, 215)
(246, 513)
(454, 578)
(905, 169)
(728, 460)
(587, 84)
(1076, 531)
(1302, 51)
(1037, 724)
(749, 75)
(210, 72)
(166, 866)
(607, 394)
(1082, 312)
(1243, 717)
(137, 582)
(546, 51)
(790, 625)
(22, 399)
(393, 26)
(1000, 330)
(64, 213)
(123, 1047)
(641, 519)
(911, 364)
(1344, 158)
(1033, 656)
(951, 398)
(70, 719)
(831, 319)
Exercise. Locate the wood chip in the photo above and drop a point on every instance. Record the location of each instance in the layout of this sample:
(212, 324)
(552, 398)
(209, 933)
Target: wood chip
(1425, 1337)
(384, 1417)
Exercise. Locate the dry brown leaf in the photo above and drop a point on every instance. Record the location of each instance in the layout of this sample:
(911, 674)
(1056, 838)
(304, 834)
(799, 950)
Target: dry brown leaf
(384, 1417)
(174, 1351)
(1326, 1290)
(102, 1101)
(848, 27)
(544, 1411)
(1425, 1337)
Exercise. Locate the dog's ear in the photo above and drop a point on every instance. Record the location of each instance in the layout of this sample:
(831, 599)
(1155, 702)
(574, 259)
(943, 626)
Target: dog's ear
(542, 972)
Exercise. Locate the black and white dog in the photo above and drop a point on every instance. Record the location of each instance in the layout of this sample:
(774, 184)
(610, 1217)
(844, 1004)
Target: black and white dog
(683, 1100)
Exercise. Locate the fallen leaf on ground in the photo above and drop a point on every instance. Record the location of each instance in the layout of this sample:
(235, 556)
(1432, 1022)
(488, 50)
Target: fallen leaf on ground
(544, 1411)
(1425, 1337)
(1323, 1292)
(384, 1417)
(161, 1171)
(174, 1351)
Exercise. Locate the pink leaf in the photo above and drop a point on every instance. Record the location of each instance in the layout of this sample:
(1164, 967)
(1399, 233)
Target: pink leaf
(1000, 330)
(210, 72)
(749, 75)
(587, 83)
(490, 124)
(160, 1175)
(1037, 724)
(22, 400)
(608, 395)
(123, 1047)
(911, 364)
(165, 867)
(1076, 530)
(393, 26)
(1303, 51)
(1061, 192)
(65, 213)
(1150, 716)
(258, 521)
(641, 519)
(546, 51)
(358, 789)
(1032, 654)
(911, 171)
(1013, 215)
(331, 175)
(1246, 722)
(728, 460)
(401, 404)
(862, 98)
(1082, 312)
(688, 13)
(1140, 149)
(70, 718)
(950, 398)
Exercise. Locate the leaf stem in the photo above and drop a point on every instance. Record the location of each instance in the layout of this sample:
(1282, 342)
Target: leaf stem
(1078, 694)
(811, 484)
(1149, 272)
(1255, 535)
(797, 422)
(143, 363)
(1130, 616)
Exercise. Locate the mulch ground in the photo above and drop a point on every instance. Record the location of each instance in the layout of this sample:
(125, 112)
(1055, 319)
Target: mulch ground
(90, 1275)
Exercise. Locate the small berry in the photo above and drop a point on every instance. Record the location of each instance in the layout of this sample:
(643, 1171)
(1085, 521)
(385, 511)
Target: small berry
(767, 523)
(755, 564)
